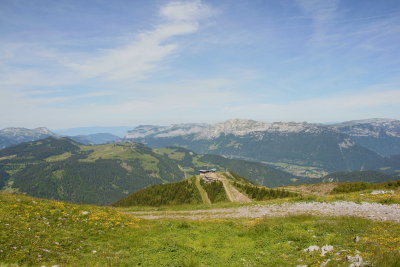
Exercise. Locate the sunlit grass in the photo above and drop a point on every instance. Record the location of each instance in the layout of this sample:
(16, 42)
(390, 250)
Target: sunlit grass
(42, 232)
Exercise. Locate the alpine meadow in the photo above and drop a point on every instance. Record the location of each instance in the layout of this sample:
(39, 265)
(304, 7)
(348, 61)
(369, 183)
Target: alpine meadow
(200, 133)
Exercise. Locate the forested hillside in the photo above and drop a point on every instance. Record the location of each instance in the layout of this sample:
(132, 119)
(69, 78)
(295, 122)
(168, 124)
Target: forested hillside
(62, 169)
(182, 192)
(94, 139)
(198, 189)
(65, 170)
(357, 176)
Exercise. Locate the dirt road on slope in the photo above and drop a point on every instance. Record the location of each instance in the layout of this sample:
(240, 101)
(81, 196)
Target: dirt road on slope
(374, 211)
(233, 194)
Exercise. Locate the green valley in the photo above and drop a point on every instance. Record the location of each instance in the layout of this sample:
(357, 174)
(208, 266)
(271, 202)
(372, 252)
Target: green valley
(62, 169)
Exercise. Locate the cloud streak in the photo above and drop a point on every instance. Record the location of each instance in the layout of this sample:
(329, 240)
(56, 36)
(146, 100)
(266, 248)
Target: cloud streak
(137, 60)
(134, 61)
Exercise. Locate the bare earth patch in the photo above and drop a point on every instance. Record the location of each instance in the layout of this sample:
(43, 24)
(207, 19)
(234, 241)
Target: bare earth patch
(374, 211)
(233, 194)
(126, 166)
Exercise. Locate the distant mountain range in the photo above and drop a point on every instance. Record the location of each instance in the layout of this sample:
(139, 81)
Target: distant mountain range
(13, 136)
(119, 131)
(379, 135)
(354, 145)
(95, 139)
(302, 149)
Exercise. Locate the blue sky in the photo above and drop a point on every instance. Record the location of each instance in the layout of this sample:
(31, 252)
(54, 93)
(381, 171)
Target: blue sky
(83, 63)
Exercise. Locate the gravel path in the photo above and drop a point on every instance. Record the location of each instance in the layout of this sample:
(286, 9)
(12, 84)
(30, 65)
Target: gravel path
(374, 211)
(233, 194)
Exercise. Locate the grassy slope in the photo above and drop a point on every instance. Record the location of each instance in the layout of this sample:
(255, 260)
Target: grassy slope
(357, 192)
(65, 170)
(360, 186)
(41, 232)
(357, 176)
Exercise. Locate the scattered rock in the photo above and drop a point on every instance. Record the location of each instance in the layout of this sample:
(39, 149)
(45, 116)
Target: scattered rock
(94, 251)
(325, 263)
(85, 212)
(311, 248)
(357, 238)
(355, 261)
(301, 265)
(325, 249)
(290, 242)
(378, 192)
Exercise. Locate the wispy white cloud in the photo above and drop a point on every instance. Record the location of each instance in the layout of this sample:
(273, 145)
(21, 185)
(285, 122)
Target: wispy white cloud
(137, 60)
(321, 13)
(186, 11)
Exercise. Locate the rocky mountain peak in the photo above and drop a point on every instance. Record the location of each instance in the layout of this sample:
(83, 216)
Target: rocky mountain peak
(43, 130)
(241, 127)
(19, 131)
(370, 127)
(238, 127)
(235, 127)
(166, 131)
